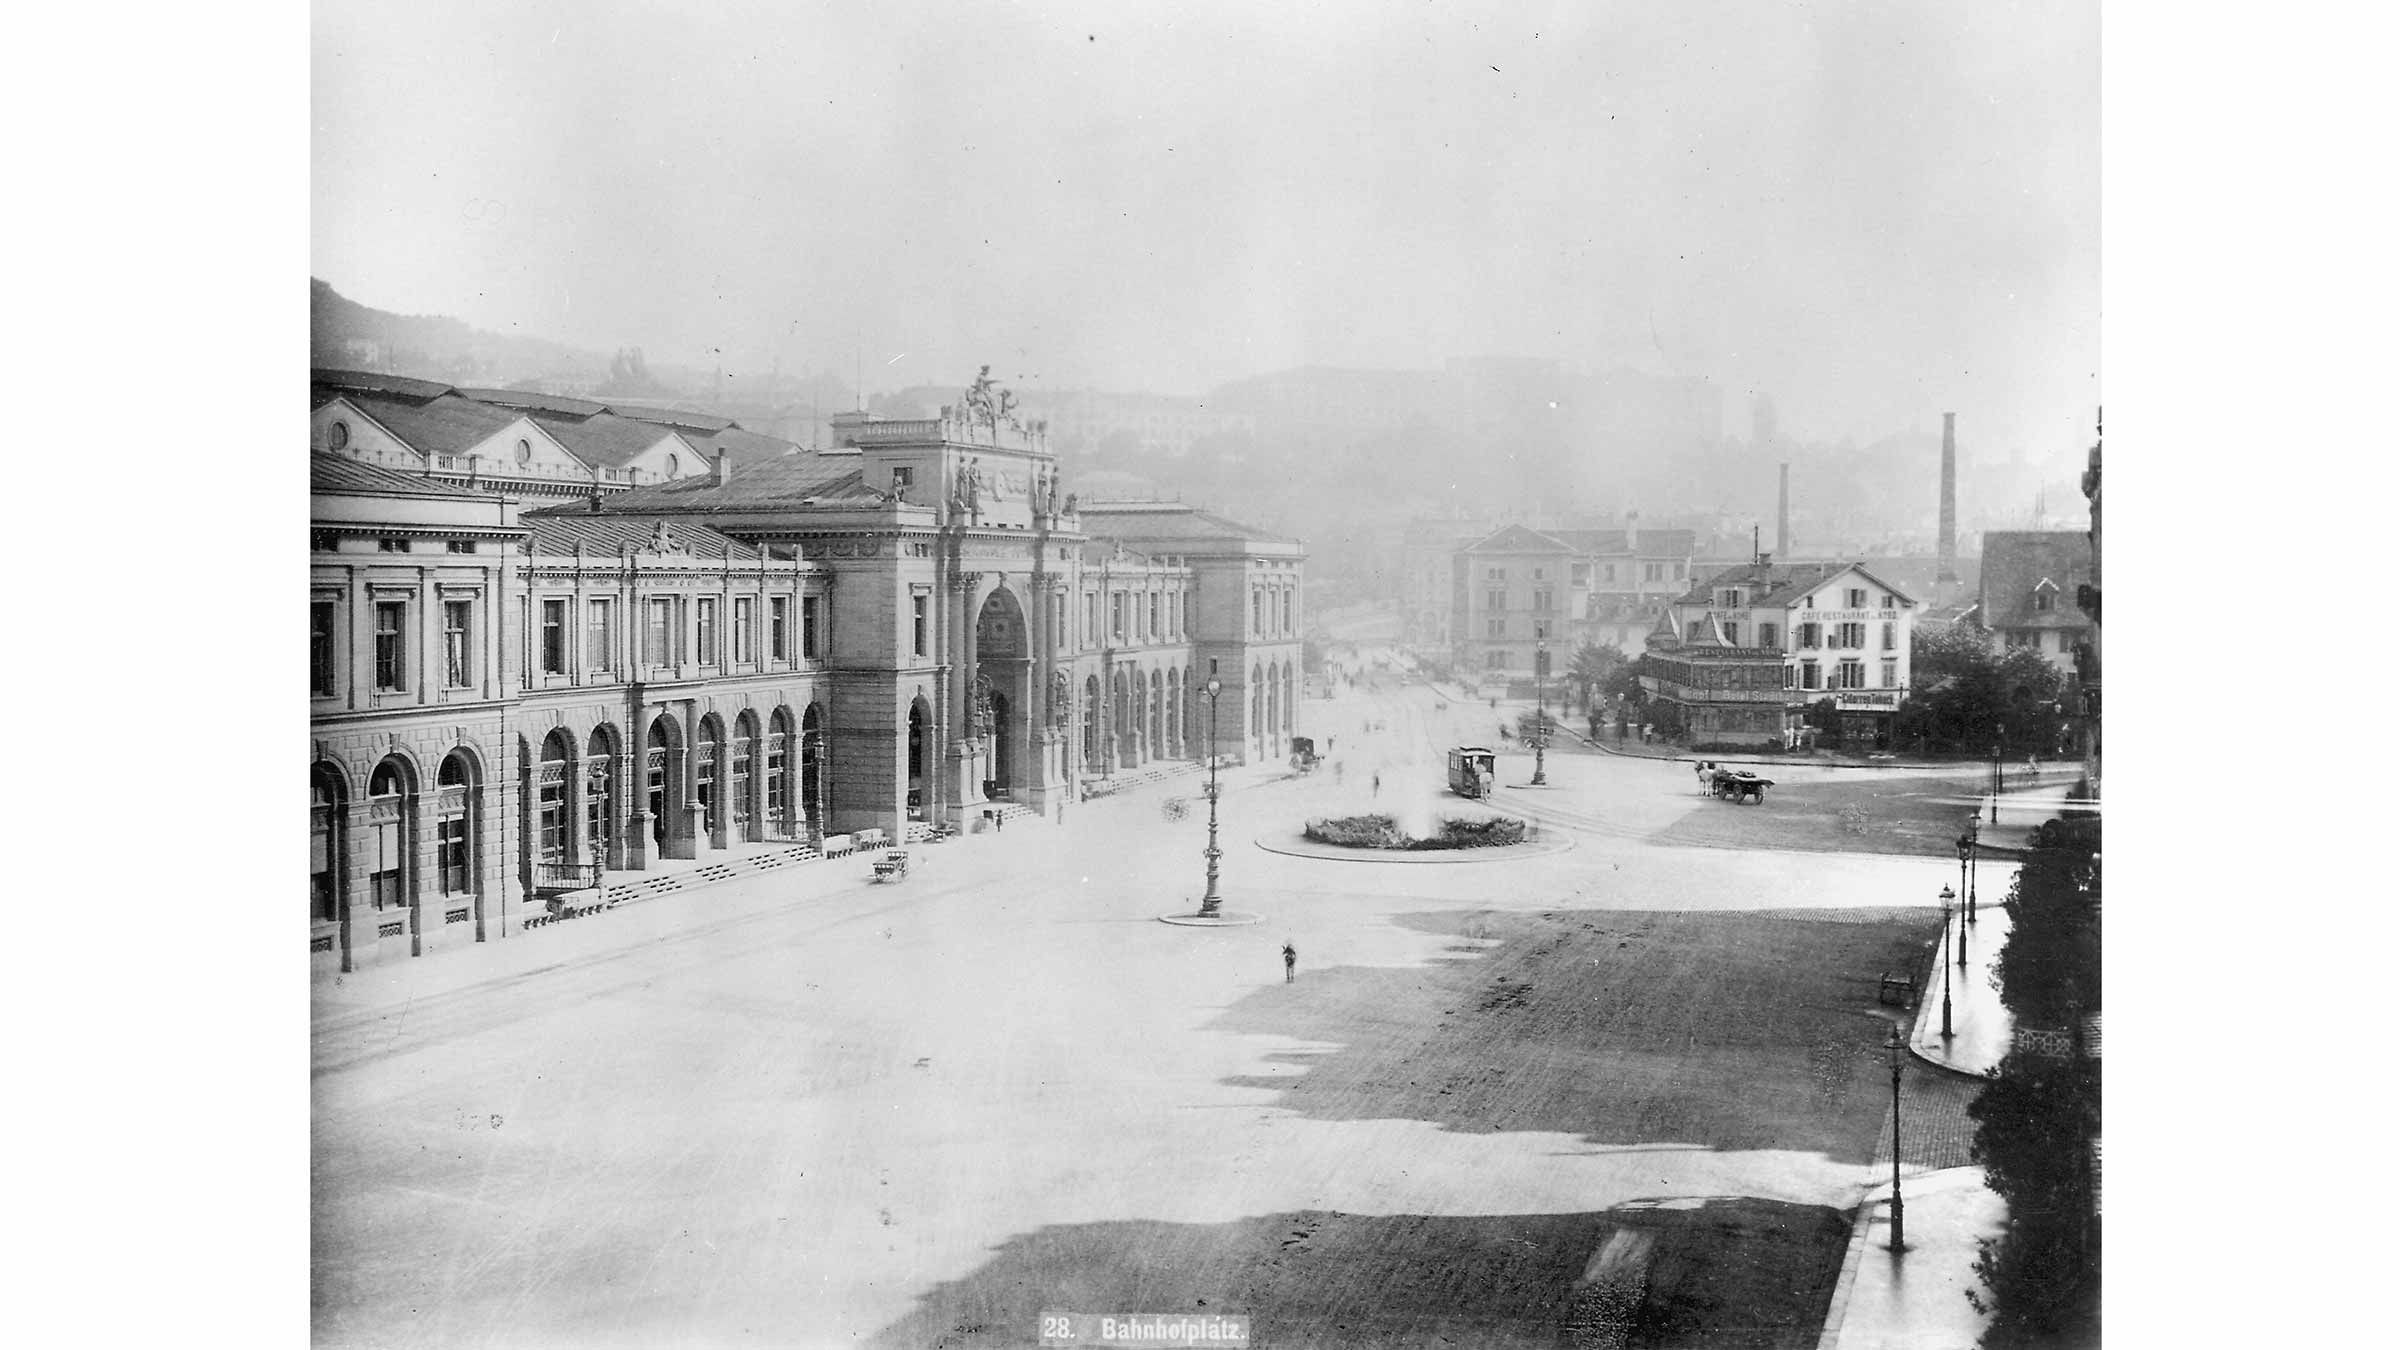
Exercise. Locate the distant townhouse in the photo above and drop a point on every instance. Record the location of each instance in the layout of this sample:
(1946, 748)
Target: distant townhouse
(2028, 597)
(1520, 589)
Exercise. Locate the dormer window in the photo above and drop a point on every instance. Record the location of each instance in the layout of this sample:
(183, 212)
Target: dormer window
(1729, 599)
(2045, 596)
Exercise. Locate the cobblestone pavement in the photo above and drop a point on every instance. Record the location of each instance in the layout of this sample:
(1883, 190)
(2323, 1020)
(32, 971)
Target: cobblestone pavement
(1934, 1126)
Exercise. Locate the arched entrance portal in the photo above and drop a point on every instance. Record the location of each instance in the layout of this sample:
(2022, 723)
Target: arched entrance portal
(920, 763)
(663, 791)
(600, 799)
(1000, 694)
(812, 770)
(329, 857)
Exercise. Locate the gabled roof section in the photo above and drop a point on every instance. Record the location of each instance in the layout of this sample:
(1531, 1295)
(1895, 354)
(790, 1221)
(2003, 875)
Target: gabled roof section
(786, 482)
(558, 535)
(352, 477)
(1177, 522)
(445, 425)
(1519, 539)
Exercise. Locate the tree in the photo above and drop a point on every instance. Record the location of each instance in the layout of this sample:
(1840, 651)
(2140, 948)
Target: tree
(2037, 1121)
(1591, 667)
(1624, 685)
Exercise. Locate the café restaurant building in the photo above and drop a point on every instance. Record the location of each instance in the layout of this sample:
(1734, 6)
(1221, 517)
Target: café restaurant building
(1746, 652)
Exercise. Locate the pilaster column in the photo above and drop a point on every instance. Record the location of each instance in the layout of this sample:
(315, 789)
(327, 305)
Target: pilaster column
(683, 807)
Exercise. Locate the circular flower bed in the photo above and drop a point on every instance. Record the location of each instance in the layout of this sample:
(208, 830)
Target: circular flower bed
(1381, 831)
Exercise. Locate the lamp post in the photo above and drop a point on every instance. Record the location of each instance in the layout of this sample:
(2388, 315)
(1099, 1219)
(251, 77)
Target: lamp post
(1947, 897)
(1541, 715)
(1209, 900)
(1996, 731)
(1974, 861)
(1966, 846)
(1891, 1047)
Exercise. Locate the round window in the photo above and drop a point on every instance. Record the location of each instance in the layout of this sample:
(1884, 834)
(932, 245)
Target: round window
(672, 464)
(339, 436)
(524, 452)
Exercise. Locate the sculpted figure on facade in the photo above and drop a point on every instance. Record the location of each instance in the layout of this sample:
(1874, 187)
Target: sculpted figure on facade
(1059, 696)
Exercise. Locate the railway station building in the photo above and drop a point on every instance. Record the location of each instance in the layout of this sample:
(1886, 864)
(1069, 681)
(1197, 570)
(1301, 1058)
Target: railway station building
(517, 699)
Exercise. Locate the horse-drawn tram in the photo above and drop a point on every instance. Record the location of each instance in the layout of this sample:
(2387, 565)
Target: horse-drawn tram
(1471, 770)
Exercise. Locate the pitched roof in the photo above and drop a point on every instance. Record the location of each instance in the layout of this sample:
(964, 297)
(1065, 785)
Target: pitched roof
(677, 418)
(601, 438)
(787, 481)
(1518, 539)
(331, 382)
(445, 425)
(533, 402)
(2016, 561)
(340, 473)
(1644, 543)
(557, 535)
(1783, 583)
(1174, 521)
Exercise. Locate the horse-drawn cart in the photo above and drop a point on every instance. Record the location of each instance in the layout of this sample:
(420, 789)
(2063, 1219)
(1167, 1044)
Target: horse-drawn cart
(892, 866)
(1739, 785)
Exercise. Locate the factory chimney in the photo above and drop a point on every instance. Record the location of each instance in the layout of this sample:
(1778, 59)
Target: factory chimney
(1948, 546)
(1783, 510)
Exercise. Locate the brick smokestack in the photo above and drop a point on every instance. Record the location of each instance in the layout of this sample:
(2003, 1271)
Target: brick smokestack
(1948, 547)
(1783, 511)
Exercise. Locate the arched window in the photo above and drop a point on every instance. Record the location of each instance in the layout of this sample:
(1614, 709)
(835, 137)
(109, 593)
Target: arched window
(745, 732)
(779, 797)
(327, 848)
(550, 796)
(454, 822)
(600, 794)
(390, 808)
(704, 773)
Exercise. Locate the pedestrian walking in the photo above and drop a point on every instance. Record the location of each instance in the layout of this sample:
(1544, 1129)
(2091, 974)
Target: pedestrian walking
(1379, 785)
(1291, 960)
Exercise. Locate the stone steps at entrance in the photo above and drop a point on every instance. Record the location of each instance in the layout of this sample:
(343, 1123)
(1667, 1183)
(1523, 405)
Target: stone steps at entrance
(1157, 771)
(667, 883)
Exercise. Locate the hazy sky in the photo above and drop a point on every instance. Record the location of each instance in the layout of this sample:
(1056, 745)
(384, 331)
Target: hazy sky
(1874, 211)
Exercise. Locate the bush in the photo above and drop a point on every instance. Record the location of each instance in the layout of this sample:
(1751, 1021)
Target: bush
(1381, 831)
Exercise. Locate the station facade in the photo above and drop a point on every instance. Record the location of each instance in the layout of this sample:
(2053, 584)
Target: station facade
(916, 627)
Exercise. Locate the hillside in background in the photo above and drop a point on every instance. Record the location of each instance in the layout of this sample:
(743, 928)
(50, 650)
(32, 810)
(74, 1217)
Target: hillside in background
(346, 335)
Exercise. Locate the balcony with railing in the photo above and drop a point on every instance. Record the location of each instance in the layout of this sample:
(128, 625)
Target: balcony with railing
(557, 878)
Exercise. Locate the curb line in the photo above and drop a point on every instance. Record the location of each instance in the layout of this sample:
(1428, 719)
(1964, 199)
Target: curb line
(1837, 1309)
(1924, 1018)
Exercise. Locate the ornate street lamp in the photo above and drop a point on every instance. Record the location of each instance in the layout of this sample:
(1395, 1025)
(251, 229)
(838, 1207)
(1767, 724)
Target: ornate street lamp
(1947, 896)
(1209, 900)
(1891, 1048)
(1541, 715)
